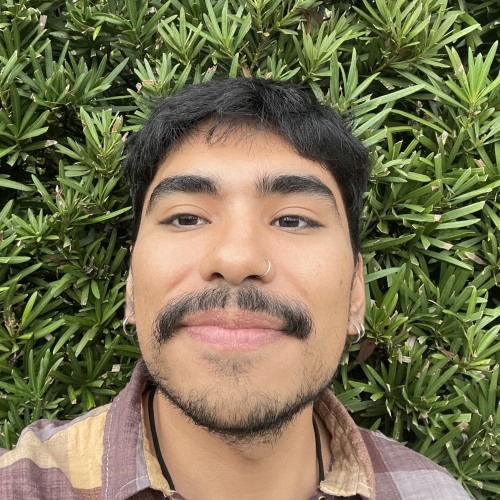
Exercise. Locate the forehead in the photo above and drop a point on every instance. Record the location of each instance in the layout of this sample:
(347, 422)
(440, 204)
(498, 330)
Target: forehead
(237, 154)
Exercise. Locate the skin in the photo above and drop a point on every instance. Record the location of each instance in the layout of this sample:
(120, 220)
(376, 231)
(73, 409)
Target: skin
(226, 240)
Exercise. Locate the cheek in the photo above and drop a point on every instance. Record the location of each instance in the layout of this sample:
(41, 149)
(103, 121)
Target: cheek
(162, 270)
(323, 277)
(160, 264)
(152, 276)
(329, 293)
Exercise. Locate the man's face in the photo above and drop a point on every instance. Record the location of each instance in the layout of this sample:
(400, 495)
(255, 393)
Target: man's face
(233, 350)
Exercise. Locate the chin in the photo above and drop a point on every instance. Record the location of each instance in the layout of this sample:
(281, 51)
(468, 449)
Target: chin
(232, 405)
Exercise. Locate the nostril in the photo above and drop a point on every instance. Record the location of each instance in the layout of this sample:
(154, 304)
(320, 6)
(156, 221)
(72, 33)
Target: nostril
(217, 276)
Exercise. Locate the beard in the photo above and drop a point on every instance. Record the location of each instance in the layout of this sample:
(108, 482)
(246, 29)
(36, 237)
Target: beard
(231, 406)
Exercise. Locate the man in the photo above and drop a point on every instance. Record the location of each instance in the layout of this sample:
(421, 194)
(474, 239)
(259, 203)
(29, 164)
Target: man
(245, 283)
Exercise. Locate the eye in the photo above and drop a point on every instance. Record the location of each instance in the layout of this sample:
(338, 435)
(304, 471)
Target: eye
(184, 221)
(295, 222)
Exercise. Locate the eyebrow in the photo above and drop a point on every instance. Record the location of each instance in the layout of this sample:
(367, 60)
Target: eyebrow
(297, 184)
(192, 184)
(278, 184)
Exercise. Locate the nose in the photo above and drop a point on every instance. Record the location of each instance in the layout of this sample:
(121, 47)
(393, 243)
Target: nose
(237, 254)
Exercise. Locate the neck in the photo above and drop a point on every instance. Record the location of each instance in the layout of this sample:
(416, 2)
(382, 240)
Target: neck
(205, 465)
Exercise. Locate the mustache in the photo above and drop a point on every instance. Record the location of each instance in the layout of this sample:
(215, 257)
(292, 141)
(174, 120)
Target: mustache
(292, 314)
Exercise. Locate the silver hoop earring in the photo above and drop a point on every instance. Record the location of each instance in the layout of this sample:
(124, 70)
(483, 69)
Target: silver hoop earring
(360, 332)
(124, 328)
(260, 276)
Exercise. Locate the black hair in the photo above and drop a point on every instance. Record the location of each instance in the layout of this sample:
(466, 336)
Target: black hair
(314, 130)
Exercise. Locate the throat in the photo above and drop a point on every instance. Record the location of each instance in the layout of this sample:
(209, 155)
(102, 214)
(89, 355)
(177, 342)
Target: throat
(164, 458)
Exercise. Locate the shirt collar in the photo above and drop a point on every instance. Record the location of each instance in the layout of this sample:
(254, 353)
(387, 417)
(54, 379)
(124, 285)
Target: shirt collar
(124, 471)
(351, 471)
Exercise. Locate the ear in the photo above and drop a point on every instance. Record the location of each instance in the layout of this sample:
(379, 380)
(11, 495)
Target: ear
(357, 313)
(129, 299)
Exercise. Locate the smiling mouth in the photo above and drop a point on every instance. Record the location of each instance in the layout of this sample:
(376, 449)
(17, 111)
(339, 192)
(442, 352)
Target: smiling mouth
(233, 330)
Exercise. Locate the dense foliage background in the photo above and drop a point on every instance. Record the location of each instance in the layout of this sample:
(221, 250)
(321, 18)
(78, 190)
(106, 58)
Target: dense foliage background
(419, 81)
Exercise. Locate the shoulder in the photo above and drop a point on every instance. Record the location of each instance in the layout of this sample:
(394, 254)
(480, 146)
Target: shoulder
(406, 474)
(56, 459)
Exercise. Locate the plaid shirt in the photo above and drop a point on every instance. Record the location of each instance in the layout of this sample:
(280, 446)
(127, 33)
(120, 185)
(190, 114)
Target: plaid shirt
(104, 454)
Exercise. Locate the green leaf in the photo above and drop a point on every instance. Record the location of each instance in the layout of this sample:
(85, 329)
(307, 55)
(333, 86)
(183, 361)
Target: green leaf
(7, 183)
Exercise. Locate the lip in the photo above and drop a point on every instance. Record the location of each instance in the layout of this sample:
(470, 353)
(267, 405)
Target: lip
(233, 329)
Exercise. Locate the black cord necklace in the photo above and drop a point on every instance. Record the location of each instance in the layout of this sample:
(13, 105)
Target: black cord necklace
(156, 443)
(163, 465)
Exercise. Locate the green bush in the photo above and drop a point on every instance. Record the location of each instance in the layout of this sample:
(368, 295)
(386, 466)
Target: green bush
(418, 80)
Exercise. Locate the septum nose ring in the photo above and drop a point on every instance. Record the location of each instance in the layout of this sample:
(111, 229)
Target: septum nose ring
(260, 276)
